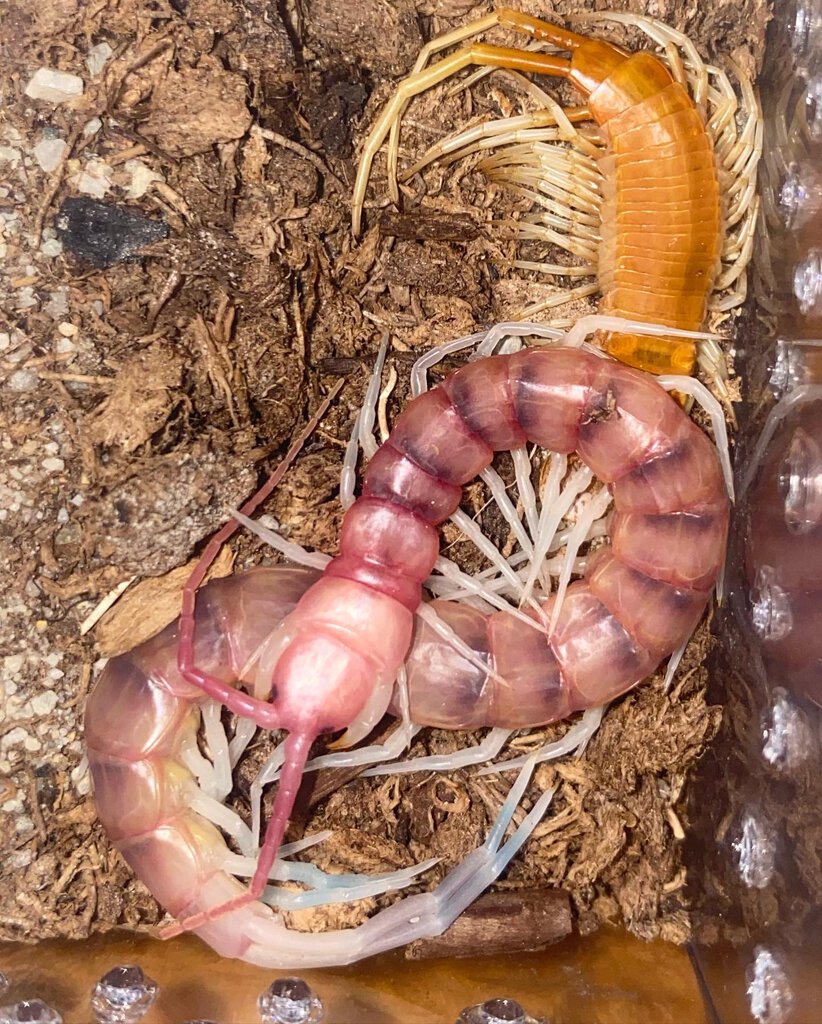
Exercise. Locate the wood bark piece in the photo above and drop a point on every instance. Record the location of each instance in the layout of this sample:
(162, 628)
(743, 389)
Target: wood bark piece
(523, 921)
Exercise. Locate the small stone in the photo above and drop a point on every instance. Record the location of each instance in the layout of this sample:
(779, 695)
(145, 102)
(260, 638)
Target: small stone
(94, 179)
(10, 155)
(29, 1011)
(49, 152)
(141, 178)
(23, 380)
(26, 298)
(53, 465)
(68, 330)
(51, 247)
(57, 306)
(44, 703)
(290, 1001)
(14, 737)
(92, 127)
(54, 86)
(123, 995)
(97, 58)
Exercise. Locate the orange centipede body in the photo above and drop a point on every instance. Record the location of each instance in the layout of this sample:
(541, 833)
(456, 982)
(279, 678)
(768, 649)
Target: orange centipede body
(661, 233)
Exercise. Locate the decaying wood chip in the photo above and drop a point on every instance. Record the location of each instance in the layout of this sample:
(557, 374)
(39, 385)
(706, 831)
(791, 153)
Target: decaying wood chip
(440, 227)
(525, 920)
(149, 606)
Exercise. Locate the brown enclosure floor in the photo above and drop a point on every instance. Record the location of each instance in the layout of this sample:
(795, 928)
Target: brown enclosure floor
(608, 978)
(137, 403)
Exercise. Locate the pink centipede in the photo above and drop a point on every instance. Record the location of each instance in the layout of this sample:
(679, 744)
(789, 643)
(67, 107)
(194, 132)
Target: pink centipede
(317, 655)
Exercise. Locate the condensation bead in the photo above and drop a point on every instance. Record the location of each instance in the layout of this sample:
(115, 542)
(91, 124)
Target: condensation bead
(813, 109)
(497, 1011)
(787, 738)
(123, 995)
(755, 849)
(290, 1001)
(800, 482)
(770, 994)
(807, 280)
(800, 197)
(771, 614)
(805, 28)
(29, 1011)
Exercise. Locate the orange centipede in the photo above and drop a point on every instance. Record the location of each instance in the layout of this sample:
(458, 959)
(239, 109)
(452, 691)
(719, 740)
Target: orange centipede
(664, 213)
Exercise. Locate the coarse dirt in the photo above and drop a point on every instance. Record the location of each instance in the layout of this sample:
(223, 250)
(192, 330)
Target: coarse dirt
(140, 401)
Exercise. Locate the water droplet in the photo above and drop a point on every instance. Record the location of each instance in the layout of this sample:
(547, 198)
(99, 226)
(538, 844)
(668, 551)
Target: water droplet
(813, 109)
(496, 1011)
(771, 614)
(289, 1001)
(805, 28)
(29, 1011)
(769, 991)
(800, 482)
(792, 198)
(807, 283)
(786, 732)
(755, 849)
(800, 198)
(123, 995)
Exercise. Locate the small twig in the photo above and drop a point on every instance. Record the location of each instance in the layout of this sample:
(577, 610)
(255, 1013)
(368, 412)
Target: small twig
(299, 326)
(75, 378)
(306, 154)
(103, 606)
(385, 394)
(56, 182)
(34, 807)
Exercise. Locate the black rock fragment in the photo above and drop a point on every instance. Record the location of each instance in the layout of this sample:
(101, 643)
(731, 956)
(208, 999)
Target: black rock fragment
(105, 233)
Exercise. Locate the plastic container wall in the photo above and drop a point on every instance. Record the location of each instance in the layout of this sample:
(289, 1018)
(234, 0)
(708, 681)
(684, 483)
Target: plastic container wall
(759, 801)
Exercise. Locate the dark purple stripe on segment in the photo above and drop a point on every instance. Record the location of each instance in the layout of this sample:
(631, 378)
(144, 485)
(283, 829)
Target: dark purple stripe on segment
(628, 420)
(659, 616)
(432, 433)
(599, 657)
(685, 549)
(686, 477)
(551, 389)
(133, 797)
(481, 394)
(392, 476)
(531, 690)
